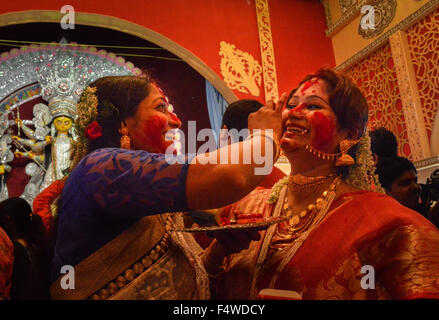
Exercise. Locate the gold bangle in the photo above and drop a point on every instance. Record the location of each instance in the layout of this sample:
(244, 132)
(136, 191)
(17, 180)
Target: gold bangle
(270, 135)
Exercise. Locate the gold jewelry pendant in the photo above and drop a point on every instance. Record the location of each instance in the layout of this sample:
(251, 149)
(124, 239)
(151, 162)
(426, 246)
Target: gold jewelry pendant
(125, 142)
(294, 221)
(345, 159)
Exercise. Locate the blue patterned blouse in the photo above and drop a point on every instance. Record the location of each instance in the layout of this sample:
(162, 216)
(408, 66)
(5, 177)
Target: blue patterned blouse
(108, 191)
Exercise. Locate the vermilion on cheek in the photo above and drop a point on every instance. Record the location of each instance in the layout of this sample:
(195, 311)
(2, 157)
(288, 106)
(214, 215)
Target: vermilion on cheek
(152, 134)
(324, 130)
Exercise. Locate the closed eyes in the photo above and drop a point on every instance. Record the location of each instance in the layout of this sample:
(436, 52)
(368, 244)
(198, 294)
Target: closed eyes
(162, 107)
(307, 106)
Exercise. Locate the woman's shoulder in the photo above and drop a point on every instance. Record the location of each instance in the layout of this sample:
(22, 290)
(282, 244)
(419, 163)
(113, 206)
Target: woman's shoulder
(381, 208)
(126, 157)
(101, 155)
(104, 159)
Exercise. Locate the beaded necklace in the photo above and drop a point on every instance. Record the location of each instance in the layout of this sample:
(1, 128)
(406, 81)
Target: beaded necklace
(321, 204)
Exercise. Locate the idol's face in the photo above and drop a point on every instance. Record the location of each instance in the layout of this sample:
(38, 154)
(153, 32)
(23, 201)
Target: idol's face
(62, 124)
(309, 119)
(148, 127)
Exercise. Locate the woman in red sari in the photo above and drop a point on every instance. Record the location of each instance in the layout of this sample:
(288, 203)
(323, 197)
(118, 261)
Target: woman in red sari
(340, 239)
(6, 265)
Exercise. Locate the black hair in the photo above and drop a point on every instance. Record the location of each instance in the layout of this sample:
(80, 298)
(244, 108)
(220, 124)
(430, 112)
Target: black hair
(383, 143)
(17, 211)
(390, 169)
(236, 114)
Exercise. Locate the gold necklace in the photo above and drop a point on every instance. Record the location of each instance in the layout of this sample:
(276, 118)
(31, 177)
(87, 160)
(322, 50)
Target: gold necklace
(322, 204)
(300, 182)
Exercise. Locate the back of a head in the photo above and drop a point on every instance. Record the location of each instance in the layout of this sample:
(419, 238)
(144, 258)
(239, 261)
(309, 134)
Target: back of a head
(236, 114)
(383, 143)
(389, 169)
(18, 211)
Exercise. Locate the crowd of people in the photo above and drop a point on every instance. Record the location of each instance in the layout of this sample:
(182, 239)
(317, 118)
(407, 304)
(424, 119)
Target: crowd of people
(343, 207)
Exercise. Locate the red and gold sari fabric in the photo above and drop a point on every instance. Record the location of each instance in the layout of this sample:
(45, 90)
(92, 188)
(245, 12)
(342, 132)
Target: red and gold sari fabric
(367, 247)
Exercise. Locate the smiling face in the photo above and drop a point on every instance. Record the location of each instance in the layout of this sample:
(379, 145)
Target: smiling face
(148, 126)
(309, 119)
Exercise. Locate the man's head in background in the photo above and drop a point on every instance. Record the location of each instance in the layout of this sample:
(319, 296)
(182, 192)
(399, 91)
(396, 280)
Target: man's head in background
(236, 118)
(398, 176)
(236, 115)
(383, 144)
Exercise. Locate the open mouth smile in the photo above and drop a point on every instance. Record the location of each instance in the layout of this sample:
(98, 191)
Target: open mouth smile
(296, 129)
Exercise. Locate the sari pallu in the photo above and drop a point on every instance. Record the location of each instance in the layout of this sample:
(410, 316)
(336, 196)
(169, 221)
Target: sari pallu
(368, 246)
(145, 262)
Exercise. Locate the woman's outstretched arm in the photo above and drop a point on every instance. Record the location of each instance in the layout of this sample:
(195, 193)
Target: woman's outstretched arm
(216, 185)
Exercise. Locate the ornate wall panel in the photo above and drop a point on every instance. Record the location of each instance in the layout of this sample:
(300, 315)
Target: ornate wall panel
(240, 70)
(384, 12)
(423, 41)
(346, 4)
(411, 103)
(376, 76)
(267, 50)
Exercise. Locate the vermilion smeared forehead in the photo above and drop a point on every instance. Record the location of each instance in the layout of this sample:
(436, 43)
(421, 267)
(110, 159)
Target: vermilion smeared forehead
(308, 84)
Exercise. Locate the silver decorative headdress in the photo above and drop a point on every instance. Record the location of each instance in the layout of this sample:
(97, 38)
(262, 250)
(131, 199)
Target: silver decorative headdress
(62, 71)
(58, 73)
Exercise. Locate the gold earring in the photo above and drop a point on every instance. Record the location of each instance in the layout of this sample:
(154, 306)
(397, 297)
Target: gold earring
(125, 142)
(345, 159)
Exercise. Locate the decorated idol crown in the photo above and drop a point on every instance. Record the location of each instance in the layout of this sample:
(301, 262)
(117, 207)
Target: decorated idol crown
(62, 71)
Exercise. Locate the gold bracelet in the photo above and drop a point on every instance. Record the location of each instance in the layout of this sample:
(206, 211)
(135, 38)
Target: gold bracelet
(270, 135)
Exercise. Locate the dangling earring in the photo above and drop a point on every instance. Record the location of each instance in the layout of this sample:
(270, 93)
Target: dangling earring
(345, 159)
(125, 142)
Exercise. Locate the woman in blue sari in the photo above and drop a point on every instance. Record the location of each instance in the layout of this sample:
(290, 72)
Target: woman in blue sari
(114, 229)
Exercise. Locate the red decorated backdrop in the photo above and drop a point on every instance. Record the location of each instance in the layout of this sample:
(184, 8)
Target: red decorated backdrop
(376, 77)
(297, 26)
(423, 40)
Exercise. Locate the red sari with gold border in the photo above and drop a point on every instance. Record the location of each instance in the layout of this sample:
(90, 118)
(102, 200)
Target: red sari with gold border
(361, 229)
